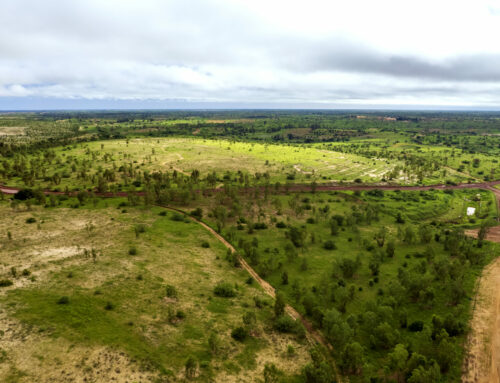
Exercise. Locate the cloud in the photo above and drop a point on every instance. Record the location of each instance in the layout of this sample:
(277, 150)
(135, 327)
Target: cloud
(236, 52)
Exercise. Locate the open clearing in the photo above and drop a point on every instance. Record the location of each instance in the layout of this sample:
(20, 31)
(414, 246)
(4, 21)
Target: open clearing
(141, 338)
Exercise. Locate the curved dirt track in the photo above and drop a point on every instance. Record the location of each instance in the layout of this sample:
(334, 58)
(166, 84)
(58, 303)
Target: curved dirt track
(315, 335)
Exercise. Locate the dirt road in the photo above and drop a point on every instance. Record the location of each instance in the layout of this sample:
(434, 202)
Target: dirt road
(319, 187)
(482, 363)
(264, 284)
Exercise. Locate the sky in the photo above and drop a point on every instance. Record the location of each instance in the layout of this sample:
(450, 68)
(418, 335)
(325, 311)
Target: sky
(98, 54)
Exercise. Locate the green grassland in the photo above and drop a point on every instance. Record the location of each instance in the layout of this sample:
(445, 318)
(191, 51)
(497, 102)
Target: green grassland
(77, 164)
(117, 300)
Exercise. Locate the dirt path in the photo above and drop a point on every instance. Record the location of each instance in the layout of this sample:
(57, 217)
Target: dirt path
(482, 363)
(264, 284)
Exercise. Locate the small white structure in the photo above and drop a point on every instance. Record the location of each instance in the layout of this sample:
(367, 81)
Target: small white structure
(471, 210)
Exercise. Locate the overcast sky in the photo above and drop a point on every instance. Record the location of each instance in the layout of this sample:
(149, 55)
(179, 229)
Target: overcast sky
(249, 53)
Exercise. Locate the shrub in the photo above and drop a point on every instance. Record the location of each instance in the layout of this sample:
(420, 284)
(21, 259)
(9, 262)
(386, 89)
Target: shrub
(197, 213)
(177, 217)
(239, 334)
(63, 300)
(171, 291)
(225, 290)
(281, 225)
(162, 213)
(329, 245)
(5, 282)
(285, 324)
(205, 244)
(109, 306)
(180, 314)
(416, 326)
(31, 220)
(260, 226)
(24, 194)
(132, 250)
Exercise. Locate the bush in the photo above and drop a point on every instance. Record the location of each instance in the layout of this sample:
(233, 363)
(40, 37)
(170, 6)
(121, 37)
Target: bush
(285, 324)
(416, 326)
(239, 334)
(177, 217)
(171, 291)
(205, 244)
(132, 250)
(329, 245)
(109, 306)
(281, 225)
(260, 226)
(224, 290)
(180, 314)
(197, 213)
(63, 300)
(24, 194)
(31, 220)
(5, 282)
(162, 213)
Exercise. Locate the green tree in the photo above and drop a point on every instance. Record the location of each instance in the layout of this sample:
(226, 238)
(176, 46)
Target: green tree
(279, 305)
(352, 358)
(397, 361)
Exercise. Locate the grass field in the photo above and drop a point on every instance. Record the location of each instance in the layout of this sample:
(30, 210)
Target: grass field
(118, 323)
(281, 162)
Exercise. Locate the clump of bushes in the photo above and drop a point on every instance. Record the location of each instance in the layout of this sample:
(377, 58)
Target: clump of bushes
(329, 245)
(171, 292)
(225, 290)
(260, 226)
(177, 217)
(63, 300)
(239, 333)
(5, 282)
